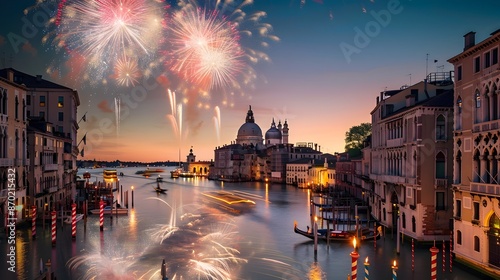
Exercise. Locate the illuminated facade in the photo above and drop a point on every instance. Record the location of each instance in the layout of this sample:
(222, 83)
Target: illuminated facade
(476, 155)
(411, 158)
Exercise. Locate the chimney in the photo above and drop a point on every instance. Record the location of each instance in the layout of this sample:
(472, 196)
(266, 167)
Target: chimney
(410, 100)
(10, 75)
(377, 100)
(470, 40)
(38, 78)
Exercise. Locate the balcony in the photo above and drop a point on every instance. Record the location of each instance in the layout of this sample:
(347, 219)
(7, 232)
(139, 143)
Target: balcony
(485, 189)
(441, 183)
(395, 142)
(6, 162)
(389, 178)
(486, 126)
(411, 181)
(49, 167)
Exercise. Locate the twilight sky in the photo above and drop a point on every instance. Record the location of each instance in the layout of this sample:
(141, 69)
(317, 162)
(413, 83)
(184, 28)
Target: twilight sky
(318, 64)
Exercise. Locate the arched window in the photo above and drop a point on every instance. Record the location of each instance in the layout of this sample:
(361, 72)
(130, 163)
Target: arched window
(459, 237)
(404, 220)
(478, 100)
(476, 244)
(440, 128)
(459, 104)
(440, 166)
(413, 224)
(384, 214)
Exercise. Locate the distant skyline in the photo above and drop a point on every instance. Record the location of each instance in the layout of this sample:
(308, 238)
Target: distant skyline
(317, 64)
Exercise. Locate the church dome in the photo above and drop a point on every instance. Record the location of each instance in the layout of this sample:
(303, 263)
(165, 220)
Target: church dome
(249, 133)
(273, 133)
(249, 129)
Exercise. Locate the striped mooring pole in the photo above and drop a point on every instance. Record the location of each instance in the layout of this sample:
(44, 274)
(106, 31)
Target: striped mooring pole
(33, 221)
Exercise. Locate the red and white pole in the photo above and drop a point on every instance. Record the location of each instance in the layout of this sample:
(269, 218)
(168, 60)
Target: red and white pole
(451, 250)
(412, 254)
(354, 262)
(434, 251)
(33, 221)
(73, 220)
(444, 256)
(101, 215)
(53, 213)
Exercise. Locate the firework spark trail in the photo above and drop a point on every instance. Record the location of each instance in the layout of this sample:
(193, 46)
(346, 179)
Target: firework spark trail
(117, 114)
(217, 121)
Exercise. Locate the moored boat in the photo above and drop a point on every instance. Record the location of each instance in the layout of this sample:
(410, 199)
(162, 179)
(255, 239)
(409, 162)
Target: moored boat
(108, 210)
(69, 220)
(339, 235)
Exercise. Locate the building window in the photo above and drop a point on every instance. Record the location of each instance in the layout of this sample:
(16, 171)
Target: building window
(42, 101)
(42, 115)
(459, 237)
(476, 211)
(494, 56)
(440, 128)
(404, 220)
(459, 73)
(476, 243)
(16, 110)
(440, 201)
(487, 60)
(477, 64)
(440, 166)
(459, 104)
(60, 101)
(60, 116)
(478, 100)
(28, 100)
(413, 224)
(458, 209)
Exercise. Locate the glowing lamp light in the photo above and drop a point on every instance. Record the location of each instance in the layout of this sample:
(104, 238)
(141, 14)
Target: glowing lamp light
(354, 242)
(394, 264)
(366, 260)
(132, 187)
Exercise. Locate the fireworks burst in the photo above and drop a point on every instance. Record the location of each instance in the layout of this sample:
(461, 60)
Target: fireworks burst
(102, 31)
(212, 45)
(126, 71)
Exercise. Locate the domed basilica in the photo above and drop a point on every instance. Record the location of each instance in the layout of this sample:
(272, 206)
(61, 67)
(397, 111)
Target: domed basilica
(249, 156)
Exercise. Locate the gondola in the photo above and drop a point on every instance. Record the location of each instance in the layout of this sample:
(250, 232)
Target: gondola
(339, 235)
(160, 190)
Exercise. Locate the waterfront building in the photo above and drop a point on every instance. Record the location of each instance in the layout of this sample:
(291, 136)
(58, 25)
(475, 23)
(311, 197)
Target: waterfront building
(412, 158)
(198, 168)
(252, 157)
(46, 168)
(13, 163)
(54, 148)
(476, 156)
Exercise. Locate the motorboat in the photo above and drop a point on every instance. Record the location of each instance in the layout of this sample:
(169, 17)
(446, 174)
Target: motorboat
(69, 219)
(108, 210)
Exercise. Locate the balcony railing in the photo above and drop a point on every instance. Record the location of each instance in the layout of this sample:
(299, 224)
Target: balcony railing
(485, 189)
(486, 126)
(49, 167)
(394, 142)
(441, 183)
(6, 162)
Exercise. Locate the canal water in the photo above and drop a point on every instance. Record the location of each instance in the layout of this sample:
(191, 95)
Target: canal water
(199, 240)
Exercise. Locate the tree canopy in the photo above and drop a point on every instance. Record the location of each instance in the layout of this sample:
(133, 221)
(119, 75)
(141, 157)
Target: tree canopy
(355, 136)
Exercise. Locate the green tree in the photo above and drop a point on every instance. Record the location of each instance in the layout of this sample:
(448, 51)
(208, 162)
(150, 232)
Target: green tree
(354, 138)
